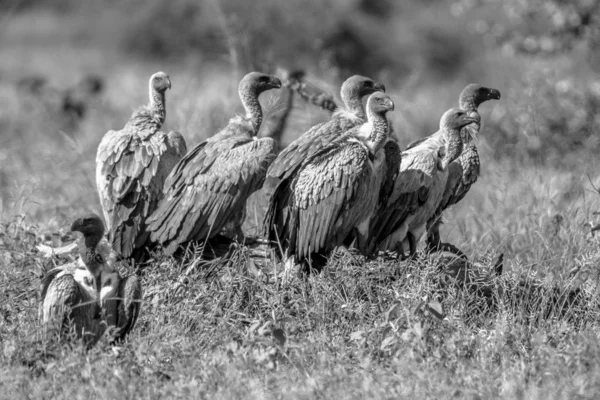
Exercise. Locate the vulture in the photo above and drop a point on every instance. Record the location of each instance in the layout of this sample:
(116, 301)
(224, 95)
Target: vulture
(131, 167)
(207, 190)
(333, 192)
(90, 293)
(320, 135)
(464, 171)
(419, 186)
(278, 123)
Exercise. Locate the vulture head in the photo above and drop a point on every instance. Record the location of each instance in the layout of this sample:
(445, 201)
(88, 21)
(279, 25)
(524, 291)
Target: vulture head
(380, 103)
(160, 82)
(256, 82)
(450, 124)
(356, 87)
(455, 118)
(474, 94)
(92, 230)
(91, 227)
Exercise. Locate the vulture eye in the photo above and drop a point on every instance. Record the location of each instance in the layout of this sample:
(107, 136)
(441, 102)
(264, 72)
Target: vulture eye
(263, 79)
(368, 84)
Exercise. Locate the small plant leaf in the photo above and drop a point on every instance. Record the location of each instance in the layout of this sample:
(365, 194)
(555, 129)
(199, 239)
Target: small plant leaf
(436, 309)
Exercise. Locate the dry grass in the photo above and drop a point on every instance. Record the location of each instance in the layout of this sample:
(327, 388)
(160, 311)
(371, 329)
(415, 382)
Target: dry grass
(242, 328)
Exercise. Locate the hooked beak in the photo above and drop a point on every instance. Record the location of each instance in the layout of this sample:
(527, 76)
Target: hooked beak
(469, 120)
(494, 94)
(379, 87)
(77, 225)
(275, 83)
(390, 104)
(168, 83)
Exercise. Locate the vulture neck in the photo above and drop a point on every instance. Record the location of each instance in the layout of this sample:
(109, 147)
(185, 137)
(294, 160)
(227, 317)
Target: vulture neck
(253, 109)
(379, 131)
(277, 131)
(158, 104)
(469, 103)
(87, 251)
(353, 103)
(453, 145)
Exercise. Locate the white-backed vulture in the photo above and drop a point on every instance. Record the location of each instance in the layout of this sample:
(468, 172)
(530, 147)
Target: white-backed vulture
(131, 167)
(464, 171)
(333, 192)
(419, 186)
(207, 190)
(89, 293)
(321, 135)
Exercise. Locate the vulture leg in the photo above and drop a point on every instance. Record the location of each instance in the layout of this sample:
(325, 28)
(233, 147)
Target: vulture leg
(239, 234)
(399, 249)
(412, 243)
(362, 237)
(130, 299)
(433, 236)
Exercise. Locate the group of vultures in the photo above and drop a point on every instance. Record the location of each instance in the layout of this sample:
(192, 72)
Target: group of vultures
(345, 182)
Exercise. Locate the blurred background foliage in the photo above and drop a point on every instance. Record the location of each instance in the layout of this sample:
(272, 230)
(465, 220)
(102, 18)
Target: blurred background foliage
(543, 55)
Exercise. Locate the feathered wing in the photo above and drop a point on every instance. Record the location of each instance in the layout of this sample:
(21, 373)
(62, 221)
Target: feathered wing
(470, 166)
(316, 209)
(176, 149)
(386, 173)
(130, 178)
(422, 140)
(455, 173)
(462, 173)
(66, 303)
(411, 191)
(208, 187)
(393, 160)
(113, 143)
(307, 146)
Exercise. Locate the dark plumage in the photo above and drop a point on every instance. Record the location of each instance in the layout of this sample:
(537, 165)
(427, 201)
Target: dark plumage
(319, 136)
(69, 299)
(277, 123)
(333, 192)
(131, 167)
(89, 293)
(419, 186)
(207, 190)
(464, 171)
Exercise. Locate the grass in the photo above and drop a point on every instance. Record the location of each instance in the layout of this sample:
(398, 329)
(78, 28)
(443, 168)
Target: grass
(242, 327)
(359, 330)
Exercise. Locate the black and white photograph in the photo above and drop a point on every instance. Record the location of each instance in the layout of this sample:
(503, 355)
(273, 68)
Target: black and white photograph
(299, 199)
